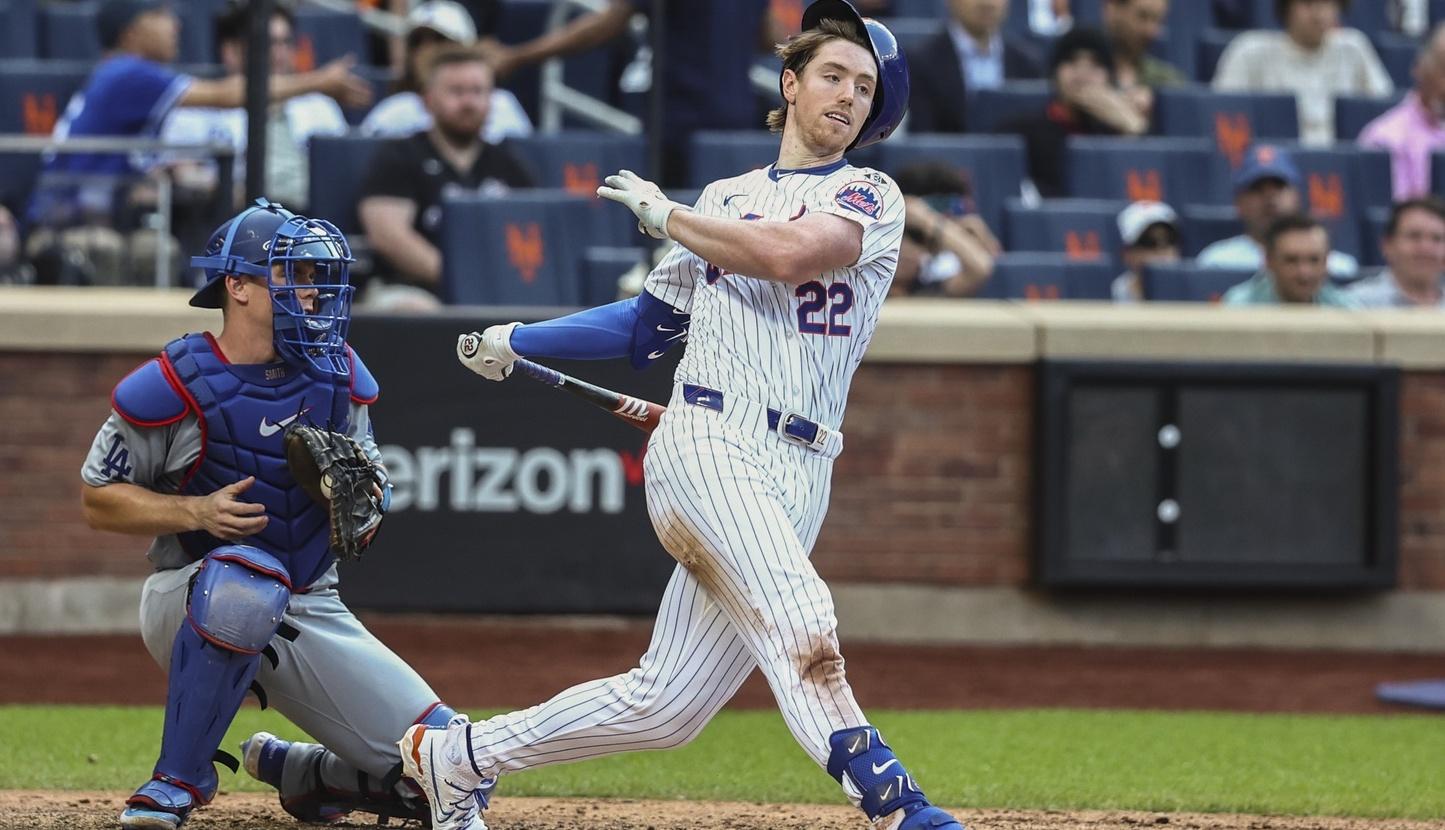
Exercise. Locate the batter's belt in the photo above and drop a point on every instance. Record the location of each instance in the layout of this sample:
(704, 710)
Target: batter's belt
(788, 425)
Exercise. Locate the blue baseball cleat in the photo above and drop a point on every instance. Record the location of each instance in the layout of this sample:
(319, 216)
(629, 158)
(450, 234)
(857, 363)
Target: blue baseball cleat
(157, 805)
(928, 817)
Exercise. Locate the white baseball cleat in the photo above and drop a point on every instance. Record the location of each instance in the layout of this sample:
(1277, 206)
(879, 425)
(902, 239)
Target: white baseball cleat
(446, 778)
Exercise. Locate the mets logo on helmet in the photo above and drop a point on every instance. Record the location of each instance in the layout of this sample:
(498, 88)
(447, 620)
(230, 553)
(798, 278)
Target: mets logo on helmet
(862, 197)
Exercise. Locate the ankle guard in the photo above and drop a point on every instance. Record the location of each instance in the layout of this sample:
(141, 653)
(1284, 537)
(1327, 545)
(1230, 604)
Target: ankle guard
(871, 775)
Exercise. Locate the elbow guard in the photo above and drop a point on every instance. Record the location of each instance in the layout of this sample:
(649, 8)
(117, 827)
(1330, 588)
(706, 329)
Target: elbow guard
(658, 328)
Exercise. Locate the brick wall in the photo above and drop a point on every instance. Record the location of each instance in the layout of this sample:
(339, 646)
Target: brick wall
(934, 486)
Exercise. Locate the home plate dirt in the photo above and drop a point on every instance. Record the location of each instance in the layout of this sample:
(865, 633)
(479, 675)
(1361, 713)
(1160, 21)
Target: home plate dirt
(54, 810)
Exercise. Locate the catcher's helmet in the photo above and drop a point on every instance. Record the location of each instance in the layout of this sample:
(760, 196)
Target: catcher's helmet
(890, 101)
(266, 235)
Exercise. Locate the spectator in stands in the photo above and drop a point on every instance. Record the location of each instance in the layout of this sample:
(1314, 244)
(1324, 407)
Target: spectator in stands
(289, 128)
(401, 204)
(970, 53)
(707, 46)
(947, 250)
(435, 24)
(1414, 247)
(81, 197)
(1150, 231)
(1085, 102)
(1314, 58)
(1266, 187)
(1133, 26)
(1296, 248)
(1415, 127)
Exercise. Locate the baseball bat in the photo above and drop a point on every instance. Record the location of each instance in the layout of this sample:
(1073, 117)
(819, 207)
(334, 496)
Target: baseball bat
(640, 413)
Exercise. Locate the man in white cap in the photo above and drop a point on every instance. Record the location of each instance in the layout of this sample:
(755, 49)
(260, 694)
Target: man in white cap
(1150, 231)
(432, 24)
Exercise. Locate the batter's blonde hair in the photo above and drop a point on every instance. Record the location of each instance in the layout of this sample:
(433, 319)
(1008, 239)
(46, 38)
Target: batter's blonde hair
(799, 50)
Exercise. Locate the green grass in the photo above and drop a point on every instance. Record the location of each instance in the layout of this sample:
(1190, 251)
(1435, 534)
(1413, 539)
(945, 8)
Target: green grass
(1053, 759)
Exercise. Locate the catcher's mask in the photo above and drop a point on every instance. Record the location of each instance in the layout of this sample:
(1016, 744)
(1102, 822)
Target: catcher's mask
(268, 235)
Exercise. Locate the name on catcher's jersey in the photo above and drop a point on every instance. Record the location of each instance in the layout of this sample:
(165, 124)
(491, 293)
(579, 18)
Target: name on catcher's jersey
(786, 346)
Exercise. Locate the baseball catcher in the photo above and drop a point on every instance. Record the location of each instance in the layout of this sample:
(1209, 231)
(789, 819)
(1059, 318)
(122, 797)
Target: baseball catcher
(249, 457)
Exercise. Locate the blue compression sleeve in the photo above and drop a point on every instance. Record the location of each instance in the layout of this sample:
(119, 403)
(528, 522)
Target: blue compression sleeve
(594, 334)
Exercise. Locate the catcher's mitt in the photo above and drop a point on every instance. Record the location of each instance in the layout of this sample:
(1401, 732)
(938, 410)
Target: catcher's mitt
(335, 472)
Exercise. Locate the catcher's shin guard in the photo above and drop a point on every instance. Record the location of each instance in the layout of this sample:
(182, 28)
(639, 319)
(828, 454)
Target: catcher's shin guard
(233, 610)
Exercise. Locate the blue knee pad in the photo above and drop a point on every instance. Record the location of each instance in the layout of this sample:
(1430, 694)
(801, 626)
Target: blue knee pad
(870, 773)
(234, 608)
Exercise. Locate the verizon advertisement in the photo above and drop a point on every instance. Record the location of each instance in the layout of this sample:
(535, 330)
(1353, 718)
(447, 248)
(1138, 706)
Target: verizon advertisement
(509, 497)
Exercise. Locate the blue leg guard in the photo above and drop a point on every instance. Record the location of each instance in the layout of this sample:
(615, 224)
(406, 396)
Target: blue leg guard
(234, 608)
(875, 780)
(318, 787)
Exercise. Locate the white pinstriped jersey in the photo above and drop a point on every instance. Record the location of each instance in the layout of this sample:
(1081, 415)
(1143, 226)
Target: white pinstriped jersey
(784, 346)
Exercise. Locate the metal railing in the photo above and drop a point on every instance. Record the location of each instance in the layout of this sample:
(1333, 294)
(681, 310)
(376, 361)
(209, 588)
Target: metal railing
(559, 100)
(223, 154)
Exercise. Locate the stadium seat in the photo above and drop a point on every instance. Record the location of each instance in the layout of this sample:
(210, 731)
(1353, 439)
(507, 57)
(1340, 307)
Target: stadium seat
(1233, 120)
(516, 249)
(1201, 225)
(1397, 53)
(17, 178)
(1353, 113)
(68, 31)
(1083, 230)
(994, 164)
(17, 36)
(198, 30)
(1209, 45)
(1187, 282)
(338, 168)
(1029, 276)
(591, 72)
(1340, 185)
(1161, 169)
(933, 9)
(722, 154)
(323, 35)
(33, 93)
(602, 267)
(578, 160)
(1437, 173)
(987, 110)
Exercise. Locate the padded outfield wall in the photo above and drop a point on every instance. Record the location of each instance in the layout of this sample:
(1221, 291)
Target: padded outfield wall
(517, 499)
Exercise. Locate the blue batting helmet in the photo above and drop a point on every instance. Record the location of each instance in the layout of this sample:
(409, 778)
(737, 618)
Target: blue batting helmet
(890, 101)
(261, 238)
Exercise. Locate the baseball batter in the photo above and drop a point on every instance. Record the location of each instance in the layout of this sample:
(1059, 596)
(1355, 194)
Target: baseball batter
(778, 275)
(192, 456)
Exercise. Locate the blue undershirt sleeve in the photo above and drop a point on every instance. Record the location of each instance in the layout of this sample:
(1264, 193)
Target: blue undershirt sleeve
(593, 334)
(642, 328)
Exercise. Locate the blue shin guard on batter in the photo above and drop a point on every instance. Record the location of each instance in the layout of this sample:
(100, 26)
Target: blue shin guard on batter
(875, 780)
(233, 610)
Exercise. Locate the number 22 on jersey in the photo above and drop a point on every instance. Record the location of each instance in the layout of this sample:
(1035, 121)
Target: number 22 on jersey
(823, 307)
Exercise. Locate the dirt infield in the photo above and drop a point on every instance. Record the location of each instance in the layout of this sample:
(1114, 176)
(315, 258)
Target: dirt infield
(502, 663)
(255, 811)
(510, 662)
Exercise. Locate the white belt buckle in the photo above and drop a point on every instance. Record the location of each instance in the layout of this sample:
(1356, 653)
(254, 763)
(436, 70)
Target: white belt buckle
(786, 416)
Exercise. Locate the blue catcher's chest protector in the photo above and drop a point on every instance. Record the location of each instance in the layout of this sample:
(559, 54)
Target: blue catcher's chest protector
(244, 412)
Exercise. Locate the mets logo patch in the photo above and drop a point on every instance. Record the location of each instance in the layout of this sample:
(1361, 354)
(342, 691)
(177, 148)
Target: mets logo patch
(862, 197)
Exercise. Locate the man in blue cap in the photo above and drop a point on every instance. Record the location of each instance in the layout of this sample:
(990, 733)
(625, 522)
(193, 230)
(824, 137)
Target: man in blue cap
(1266, 188)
